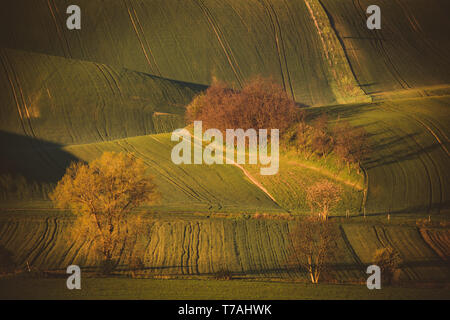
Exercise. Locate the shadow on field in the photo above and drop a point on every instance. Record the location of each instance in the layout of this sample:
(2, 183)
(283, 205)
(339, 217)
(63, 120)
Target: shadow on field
(406, 149)
(435, 207)
(27, 162)
(343, 112)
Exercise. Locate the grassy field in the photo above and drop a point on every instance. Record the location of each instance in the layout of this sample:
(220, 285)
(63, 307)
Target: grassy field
(203, 290)
(230, 40)
(409, 149)
(66, 101)
(407, 52)
(174, 245)
(66, 96)
(406, 171)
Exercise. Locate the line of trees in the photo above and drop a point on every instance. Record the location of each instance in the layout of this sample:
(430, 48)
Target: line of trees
(261, 104)
(349, 144)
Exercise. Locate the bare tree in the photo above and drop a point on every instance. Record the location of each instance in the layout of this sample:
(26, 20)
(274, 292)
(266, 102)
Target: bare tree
(323, 196)
(313, 242)
(351, 143)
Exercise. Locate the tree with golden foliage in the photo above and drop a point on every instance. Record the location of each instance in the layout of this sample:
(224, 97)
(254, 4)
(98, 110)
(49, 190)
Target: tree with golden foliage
(313, 243)
(323, 196)
(103, 193)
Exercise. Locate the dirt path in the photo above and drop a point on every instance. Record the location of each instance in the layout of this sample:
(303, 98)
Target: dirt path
(246, 173)
(328, 174)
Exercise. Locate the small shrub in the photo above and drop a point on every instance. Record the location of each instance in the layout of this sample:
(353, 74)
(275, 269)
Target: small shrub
(135, 264)
(351, 144)
(107, 267)
(388, 259)
(223, 274)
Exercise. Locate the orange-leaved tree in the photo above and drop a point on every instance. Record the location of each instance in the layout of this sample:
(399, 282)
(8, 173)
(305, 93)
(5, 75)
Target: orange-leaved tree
(103, 193)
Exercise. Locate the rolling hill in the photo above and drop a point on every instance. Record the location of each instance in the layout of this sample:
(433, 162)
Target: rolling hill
(68, 101)
(122, 82)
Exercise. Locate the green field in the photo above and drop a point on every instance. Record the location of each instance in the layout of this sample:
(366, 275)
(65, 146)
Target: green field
(120, 288)
(122, 84)
(177, 244)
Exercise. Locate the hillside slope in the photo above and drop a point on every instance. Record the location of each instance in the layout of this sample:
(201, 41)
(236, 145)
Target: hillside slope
(247, 248)
(193, 41)
(409, 51)
(69, 101)
(407, 169)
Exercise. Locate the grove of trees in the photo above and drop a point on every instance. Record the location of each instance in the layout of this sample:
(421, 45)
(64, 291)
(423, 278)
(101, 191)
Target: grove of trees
(261, 104)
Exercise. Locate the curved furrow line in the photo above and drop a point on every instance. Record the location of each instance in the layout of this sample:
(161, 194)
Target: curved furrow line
(151, 255)
(9, 233)
(350, 248)
(277, 46)
(6, 64)
(191, 251)
(199, 185)
(54, 10)
(283, 50)
(204, 189)
(22, 104)
(36, 247)
(379, 44)
(65, 254)
(381, 237)
(429, 180)
(183, 250)
(248, 175)
(50, 243)
(101, 103)
(197, 240)
(391, 244)
(235, 246)
(111, 72)
(98, 66)
(441, 245)
(77, 244)
(434, 246)
(145, 39)
(138, 35)
(217, 32)
(166, 175)
(430, 158)
(275, 238)
(418, 29)
(163, 172)
(428, 128)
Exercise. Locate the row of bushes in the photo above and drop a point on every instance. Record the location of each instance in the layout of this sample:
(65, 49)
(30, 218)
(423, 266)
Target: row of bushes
(262, 104)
